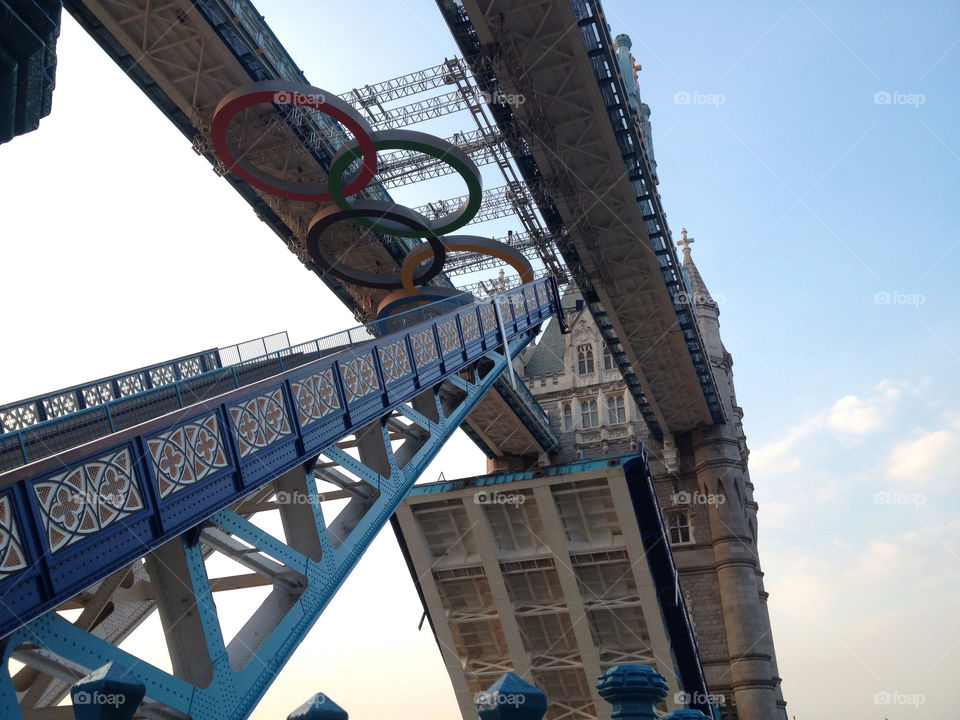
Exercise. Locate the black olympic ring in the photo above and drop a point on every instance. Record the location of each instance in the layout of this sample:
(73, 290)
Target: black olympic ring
(331, 215)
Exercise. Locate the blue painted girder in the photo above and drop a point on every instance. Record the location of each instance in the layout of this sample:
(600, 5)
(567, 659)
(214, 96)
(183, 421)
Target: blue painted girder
(72, 519)
(231, 692)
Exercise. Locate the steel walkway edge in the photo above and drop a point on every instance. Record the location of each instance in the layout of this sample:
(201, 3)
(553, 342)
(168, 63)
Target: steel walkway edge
(70, 520)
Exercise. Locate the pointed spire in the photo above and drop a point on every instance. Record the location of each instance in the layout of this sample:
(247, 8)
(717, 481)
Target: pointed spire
(701, 296)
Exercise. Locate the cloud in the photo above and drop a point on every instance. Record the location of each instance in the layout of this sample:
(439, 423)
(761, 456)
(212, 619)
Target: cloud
(918, 459)
(776, 457)
(879, 558)
(851, 415)
(802, 593)
(849, 419)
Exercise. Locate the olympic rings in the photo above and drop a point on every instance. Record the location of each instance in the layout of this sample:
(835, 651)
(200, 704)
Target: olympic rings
(428, 145)
(469, 243)
(378, 215)
(331, 215)
(281, 91)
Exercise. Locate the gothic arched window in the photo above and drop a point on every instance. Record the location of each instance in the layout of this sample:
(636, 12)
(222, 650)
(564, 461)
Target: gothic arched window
(616, 412)
(588, 413)
(585, 359)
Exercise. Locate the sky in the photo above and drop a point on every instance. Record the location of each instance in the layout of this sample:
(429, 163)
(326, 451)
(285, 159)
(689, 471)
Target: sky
(813, 151)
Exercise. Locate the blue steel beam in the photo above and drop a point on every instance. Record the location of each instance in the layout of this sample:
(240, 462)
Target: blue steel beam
(228, 690)
(220, 689)
(72, 519)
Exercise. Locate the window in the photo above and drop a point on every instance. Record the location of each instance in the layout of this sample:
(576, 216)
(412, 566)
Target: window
(678, 525)
(607, 359)
(588, 413)
(584, 359)
(567, 417)
(616, 412)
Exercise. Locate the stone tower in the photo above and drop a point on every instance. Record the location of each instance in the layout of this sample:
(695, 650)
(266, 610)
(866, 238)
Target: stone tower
(703, 487)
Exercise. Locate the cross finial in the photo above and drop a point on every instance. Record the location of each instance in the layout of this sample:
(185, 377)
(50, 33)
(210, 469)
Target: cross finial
(685, 242)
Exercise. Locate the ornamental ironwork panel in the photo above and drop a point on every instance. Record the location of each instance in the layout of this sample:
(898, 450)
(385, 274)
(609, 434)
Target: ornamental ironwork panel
(359, 377)
(471, 326)
(316, 396)
(488, 316)
(259, 421)
(12, 557)
(395, 361)
(185, 455)
(424, 347)
(85, 500)
(449, 337)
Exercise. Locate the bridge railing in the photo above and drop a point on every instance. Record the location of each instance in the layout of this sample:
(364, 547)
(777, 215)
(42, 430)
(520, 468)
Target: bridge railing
(82, 425)
(250, 349)
(67, 401)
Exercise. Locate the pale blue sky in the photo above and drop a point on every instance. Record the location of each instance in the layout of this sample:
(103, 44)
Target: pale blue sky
(807, 198)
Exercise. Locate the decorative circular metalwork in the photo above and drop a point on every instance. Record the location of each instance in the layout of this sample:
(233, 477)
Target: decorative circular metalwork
(385, 217)
(281, 91)
(422, 143)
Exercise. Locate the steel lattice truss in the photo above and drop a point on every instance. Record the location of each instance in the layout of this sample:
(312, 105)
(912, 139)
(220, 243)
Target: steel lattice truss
(402, 167)
(485, 144)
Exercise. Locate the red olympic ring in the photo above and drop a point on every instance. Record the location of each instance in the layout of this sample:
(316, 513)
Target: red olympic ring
(281, 91)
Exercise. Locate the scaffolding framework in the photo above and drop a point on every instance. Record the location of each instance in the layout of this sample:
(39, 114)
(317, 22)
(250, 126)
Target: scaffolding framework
(450, 88)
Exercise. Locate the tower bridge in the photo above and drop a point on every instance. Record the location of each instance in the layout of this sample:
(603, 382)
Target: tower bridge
(85, 496)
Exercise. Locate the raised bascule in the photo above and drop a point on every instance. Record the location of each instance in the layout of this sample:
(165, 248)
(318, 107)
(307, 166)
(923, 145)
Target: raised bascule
(117, 496)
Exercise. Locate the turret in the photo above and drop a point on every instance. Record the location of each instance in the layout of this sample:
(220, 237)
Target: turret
(708, 312)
